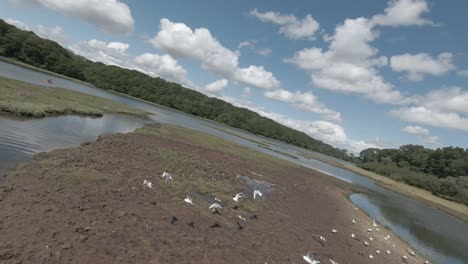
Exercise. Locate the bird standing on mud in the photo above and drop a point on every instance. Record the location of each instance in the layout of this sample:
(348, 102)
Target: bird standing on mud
(167, 177)
(188, 200)
(309, 258)
(257, 193)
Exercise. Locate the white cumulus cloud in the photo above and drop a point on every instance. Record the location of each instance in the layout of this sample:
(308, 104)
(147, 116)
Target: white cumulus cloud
(291, 26)
(305, 101)
(181, 41)
(163, 66)
(403, 13)
(217, 86)
(417, 130)
(420, 64)
(425, 116)
(111, 16)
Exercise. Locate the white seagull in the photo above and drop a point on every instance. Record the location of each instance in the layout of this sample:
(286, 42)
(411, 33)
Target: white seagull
(215, 206)
(369, 230)
(257, 192)
(334, 231)
(333, 262)
(377, 251)
(188, 200)
(166, 176)
(237, 197)
(354, 221)
(374, 223)
(371, 238)
(147, 184)
(371, 257)
(426, 262)
(388, 252)
(353, 235)
(366, 243)
(310, 259)
(217, 199)
(241, 218)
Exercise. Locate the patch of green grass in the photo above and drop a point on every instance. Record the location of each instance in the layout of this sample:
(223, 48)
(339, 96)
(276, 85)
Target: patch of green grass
(24, 99)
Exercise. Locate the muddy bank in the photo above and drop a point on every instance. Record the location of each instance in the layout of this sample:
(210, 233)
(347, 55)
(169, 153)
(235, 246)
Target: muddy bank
(88, 204)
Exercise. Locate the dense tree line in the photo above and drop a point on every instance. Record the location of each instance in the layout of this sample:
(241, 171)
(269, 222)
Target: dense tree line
(46, 54)
(443, 171)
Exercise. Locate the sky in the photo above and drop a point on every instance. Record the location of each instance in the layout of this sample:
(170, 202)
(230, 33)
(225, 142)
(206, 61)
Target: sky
(355, 74)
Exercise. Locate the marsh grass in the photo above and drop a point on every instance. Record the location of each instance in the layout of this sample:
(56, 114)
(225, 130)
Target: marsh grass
(28, 100)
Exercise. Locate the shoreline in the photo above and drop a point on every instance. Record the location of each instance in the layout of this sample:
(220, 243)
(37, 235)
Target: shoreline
(457, 210)
(97, 188)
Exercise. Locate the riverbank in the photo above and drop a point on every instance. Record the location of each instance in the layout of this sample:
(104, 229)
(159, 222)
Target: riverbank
(456, 209)
(88, 204)
(24, 99)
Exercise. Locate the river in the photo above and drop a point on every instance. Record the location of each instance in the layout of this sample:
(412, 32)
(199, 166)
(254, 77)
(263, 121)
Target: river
(440, 237)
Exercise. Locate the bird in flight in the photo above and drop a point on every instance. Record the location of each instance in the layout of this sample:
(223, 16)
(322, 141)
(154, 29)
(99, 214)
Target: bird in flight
(257, 192)
(237, 197)
(188, 200)
(147, 184)
(166, 176)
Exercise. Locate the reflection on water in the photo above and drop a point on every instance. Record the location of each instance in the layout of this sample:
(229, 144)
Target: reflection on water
(20, 139)
(433, 233)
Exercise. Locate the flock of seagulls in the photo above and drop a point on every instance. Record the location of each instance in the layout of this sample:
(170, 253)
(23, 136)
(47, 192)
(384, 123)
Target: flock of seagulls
(310, 256)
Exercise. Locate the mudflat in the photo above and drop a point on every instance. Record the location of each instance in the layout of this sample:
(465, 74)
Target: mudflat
(88, 204)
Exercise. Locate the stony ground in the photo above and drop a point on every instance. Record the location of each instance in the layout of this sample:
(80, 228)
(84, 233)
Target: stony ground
(88, 205)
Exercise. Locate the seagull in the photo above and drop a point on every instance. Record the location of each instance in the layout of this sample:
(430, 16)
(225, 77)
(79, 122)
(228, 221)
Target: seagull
(374, 223)
(241, 218)
(309, 259)
(217, 199)
(412, 253)
(237, 197)
(393, 245)
(387, 237)
(214, 207)
(377, 251)
(353, 235)
(334, 231)
(354, 221)
(371, 238)
(333, 262)
(188, 200)
(366, 243)
(371, 257)
(377, 229)
(405, 257)
(388, 252)
(147, 184)
(322, 239)
(167, 177)
(369, 230)
(257, 192)
(426, 262)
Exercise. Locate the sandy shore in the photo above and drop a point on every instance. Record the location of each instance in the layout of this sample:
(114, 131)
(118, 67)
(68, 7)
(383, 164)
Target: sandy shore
(88, 204)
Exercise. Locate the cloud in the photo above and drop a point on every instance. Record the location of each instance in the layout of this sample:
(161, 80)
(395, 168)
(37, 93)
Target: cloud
(431, 140)
(350, 64)
(17, 24)
(246, 93)
(463, 73)
(246, 43)
(417, 130)
(452, 99)
(326, 131)
(418, 65)
(425, 116)
(264, 52)
(54, 33)
(217, 86)
(163, 66)
(111, 16)
(112, 53)
(291, 26)
(180, 41)
(305, 101)
(403, 13)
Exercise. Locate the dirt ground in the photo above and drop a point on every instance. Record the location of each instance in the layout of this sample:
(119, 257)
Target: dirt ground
(88, 205)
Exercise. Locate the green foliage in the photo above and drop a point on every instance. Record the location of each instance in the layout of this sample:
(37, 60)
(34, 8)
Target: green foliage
(31, 49)
(443, 171)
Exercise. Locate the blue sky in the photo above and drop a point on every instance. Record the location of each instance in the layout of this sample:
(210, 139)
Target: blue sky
(355, 74)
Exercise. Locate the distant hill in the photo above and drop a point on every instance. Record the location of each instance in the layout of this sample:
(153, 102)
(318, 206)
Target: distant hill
(27, 47)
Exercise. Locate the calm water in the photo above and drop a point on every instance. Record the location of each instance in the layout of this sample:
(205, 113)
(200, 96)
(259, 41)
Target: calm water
(438, 236)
